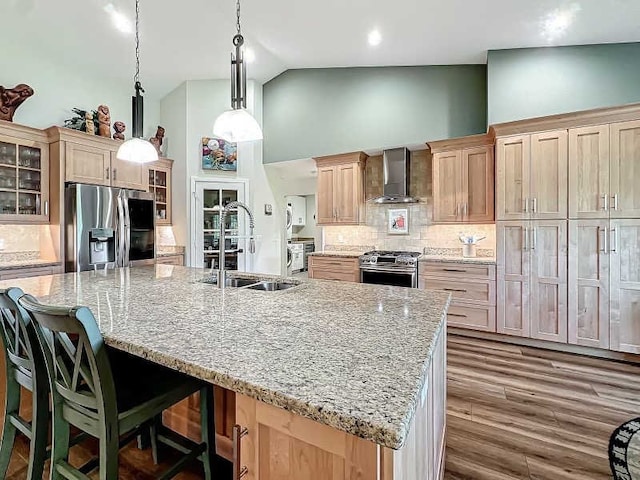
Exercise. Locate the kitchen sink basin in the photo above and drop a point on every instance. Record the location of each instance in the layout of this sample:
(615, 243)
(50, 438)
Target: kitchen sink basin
(231, 281)
(268, 286)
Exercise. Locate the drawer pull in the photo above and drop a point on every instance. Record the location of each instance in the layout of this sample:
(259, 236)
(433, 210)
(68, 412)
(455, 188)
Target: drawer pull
(239, 470)
(454, 270)
(454, 289)
(457, 315)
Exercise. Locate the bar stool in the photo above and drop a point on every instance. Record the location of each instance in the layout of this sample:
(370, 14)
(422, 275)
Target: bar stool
(25, 366)
(110, 404)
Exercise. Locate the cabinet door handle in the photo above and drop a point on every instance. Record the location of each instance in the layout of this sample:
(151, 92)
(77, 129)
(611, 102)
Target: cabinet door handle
(46, 208)
(614, 243)
(525, 246)
(534, 238)
(108, 169)
(526, 205)
(453, 270)
(454, 289)
(615, 202)
(603, 242)
(457, 315)
(465, 209)
(115, 173)
(534, 207)
(605, 202)
(239, 470)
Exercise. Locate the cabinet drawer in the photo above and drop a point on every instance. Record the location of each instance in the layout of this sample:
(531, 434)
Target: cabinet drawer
(342, 276)
(472, 317)
(29, 272)
(457, 270)
(171, 260)
(338, 264)
(481, 292)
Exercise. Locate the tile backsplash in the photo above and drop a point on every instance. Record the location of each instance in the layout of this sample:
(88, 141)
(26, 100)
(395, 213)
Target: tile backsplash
(26, 242)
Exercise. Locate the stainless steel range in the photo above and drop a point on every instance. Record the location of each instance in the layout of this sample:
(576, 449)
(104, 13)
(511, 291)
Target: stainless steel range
(390, 268)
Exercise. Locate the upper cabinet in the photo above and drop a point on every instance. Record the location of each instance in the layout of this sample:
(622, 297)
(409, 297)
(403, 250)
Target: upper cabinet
(463, 185)
(341, 189)
(625, 170)
(91, 159)
(24, 174)
(160, 186)
(531, 175)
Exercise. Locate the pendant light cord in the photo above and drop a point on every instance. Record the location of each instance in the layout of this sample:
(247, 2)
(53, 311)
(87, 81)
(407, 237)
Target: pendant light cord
(136, 77)
(238, 16)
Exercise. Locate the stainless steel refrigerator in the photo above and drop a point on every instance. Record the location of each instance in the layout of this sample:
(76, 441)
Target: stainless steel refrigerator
(108, 227)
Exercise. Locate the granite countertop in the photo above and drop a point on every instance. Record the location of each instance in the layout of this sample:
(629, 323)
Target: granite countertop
(348, 355)
(468, 260)
(336, 253)
(169, 250)
(16, 264)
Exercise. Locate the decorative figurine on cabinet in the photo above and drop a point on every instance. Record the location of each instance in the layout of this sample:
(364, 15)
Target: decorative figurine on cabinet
(104, 121)
(89, 127)
(119, 128)
(11, 99)
(157, 140)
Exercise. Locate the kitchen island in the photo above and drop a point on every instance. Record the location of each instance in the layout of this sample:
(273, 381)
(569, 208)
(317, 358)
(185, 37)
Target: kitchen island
(332, 380)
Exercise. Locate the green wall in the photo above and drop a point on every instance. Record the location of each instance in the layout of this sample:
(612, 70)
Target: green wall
(314, 112)
(533, 82)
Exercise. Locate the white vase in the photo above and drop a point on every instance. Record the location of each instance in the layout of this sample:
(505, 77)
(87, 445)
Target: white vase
(469, 250)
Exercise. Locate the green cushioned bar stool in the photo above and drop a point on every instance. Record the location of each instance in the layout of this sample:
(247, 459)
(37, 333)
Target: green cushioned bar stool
(111, 396)
(25, 366)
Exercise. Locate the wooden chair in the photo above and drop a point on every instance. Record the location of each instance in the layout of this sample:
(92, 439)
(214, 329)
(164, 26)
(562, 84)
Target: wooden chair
(25, 366)
(110, 399)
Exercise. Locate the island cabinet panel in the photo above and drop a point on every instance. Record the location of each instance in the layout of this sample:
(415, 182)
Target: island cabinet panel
(284, 446)
(343, 269)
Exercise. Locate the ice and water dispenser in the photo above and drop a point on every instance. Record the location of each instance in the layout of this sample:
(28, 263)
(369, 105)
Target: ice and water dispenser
(102, 246)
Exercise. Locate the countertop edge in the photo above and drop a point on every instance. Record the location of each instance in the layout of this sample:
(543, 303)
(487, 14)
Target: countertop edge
(465, 260)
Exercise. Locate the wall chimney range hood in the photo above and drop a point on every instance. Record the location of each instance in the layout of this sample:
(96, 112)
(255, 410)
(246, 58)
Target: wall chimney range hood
(396, 167)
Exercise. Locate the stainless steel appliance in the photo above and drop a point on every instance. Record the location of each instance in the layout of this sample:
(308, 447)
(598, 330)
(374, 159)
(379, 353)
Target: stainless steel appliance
(396, 169)
(390, 268)
(108, 227)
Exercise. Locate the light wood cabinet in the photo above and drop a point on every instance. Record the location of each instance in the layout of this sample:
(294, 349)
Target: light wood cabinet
(589, 172)
(532, 279)
(588, 306)
(532, 176)
(160, 186)
(24, 174)
(625, 170)
(624, 256)
(341, 189)
(170, 260)
(463, 180)
(472, 289)
(34, 271)
(343, 269)
(128, 174)
(87, 164)
(281, 445)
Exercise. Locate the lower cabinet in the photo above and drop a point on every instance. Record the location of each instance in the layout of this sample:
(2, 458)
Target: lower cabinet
(345, 269)
(532, 279)
(170, 260)
(472, 288)
(30, 272)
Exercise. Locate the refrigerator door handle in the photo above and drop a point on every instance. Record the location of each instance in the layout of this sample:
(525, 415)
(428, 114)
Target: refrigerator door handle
(120, 230)
(127, 231)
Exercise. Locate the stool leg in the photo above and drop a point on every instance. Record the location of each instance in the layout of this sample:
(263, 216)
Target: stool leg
(59, 443)
(208, 428)
(109, 447)
(154, 427)
(9, 430)
(39, 431)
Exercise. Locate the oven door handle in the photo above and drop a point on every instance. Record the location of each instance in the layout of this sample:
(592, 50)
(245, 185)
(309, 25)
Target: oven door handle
(388, 270)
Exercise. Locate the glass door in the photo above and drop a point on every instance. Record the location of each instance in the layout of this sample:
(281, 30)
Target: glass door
(210, 200)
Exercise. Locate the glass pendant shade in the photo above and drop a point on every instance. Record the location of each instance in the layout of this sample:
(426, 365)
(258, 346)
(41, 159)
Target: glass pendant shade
(137, 150)
(237, 125)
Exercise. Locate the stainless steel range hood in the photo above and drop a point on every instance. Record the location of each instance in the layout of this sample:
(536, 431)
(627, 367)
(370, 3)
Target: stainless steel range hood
(396, 166)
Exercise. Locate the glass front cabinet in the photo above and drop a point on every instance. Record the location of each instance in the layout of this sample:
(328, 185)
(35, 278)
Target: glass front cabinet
(160, 186)
(24, 180)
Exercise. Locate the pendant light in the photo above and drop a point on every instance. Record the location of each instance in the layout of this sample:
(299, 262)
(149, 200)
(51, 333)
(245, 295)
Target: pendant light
(137, 150)
(237, 124)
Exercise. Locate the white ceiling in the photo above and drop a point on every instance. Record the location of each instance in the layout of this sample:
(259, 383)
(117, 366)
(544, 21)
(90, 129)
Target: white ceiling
(191, 39)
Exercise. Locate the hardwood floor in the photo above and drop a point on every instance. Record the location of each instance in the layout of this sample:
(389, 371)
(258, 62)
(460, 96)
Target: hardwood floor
(524, 413)
(513, 413)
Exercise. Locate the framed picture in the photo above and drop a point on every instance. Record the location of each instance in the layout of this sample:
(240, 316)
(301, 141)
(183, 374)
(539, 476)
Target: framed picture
(218, 154)
(398, 221)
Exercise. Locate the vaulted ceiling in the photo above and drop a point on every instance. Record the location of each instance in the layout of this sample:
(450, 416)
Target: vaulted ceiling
(191, 39)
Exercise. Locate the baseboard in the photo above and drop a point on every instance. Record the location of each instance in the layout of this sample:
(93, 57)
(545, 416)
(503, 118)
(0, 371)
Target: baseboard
(544, 344)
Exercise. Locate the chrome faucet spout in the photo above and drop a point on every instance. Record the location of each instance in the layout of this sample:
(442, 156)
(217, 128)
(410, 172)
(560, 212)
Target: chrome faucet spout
(252, 245)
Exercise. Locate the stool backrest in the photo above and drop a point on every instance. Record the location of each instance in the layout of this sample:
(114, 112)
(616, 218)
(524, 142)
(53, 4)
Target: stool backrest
(24, 361)
(76, 357)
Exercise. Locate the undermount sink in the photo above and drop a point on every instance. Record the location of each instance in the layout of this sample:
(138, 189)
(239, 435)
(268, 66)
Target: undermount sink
(269, 286)
(231, 281)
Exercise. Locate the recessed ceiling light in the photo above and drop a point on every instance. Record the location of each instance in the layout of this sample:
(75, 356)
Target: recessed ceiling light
(374, 38)
(249, 55)
(555, 24)
(119, 20)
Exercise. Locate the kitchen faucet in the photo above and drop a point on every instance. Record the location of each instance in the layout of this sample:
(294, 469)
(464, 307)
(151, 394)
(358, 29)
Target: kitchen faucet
(252, 244)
